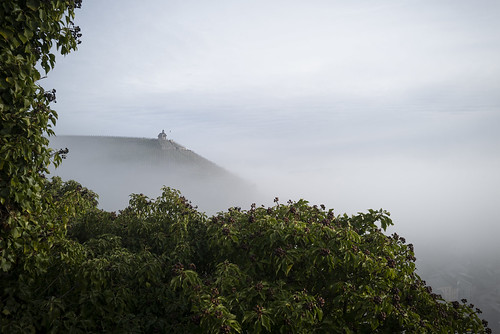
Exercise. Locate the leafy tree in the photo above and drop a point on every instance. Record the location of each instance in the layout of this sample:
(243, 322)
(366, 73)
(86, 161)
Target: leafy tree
(161, 266)
(301, 269)
(28, 31)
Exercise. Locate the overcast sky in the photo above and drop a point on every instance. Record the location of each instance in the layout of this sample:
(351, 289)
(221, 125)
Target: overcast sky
(355, 104)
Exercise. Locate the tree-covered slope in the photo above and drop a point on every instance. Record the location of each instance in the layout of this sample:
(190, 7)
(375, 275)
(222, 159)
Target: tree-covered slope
(115, 167)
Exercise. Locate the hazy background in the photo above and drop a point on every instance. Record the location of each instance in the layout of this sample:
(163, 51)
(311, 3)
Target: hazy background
(357, 105)
(115, 167)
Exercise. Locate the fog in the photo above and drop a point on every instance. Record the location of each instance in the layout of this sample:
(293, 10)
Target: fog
(116, 167)
(355, 105)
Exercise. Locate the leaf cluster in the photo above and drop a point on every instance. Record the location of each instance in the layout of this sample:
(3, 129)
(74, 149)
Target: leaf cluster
(160, 265)
(29, 30)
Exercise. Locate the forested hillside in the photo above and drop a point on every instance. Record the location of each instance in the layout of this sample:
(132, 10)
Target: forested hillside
(115, 167)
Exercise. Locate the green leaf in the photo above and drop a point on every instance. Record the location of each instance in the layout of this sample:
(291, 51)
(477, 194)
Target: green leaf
(266, 322)
(22, 38)
(320, 314)
(5, 265)
(15, 233)
(33, 4)
(7, 34)
(288, 268)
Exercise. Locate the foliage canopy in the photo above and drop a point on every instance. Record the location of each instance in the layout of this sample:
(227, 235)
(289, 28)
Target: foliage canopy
(162, 266)
(28, 31)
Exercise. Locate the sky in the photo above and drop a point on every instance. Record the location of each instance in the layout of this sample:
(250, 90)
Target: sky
(354, 104)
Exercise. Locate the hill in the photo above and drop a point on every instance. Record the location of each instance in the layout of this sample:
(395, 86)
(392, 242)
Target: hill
(115, 167)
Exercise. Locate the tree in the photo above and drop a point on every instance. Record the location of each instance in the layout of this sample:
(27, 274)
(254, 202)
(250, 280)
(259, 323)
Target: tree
(299, 268)
(28, 31)
(161, 266)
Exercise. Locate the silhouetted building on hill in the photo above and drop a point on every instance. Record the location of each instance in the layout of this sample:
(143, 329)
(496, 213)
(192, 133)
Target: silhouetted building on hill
(162, 135)
(164, 143)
